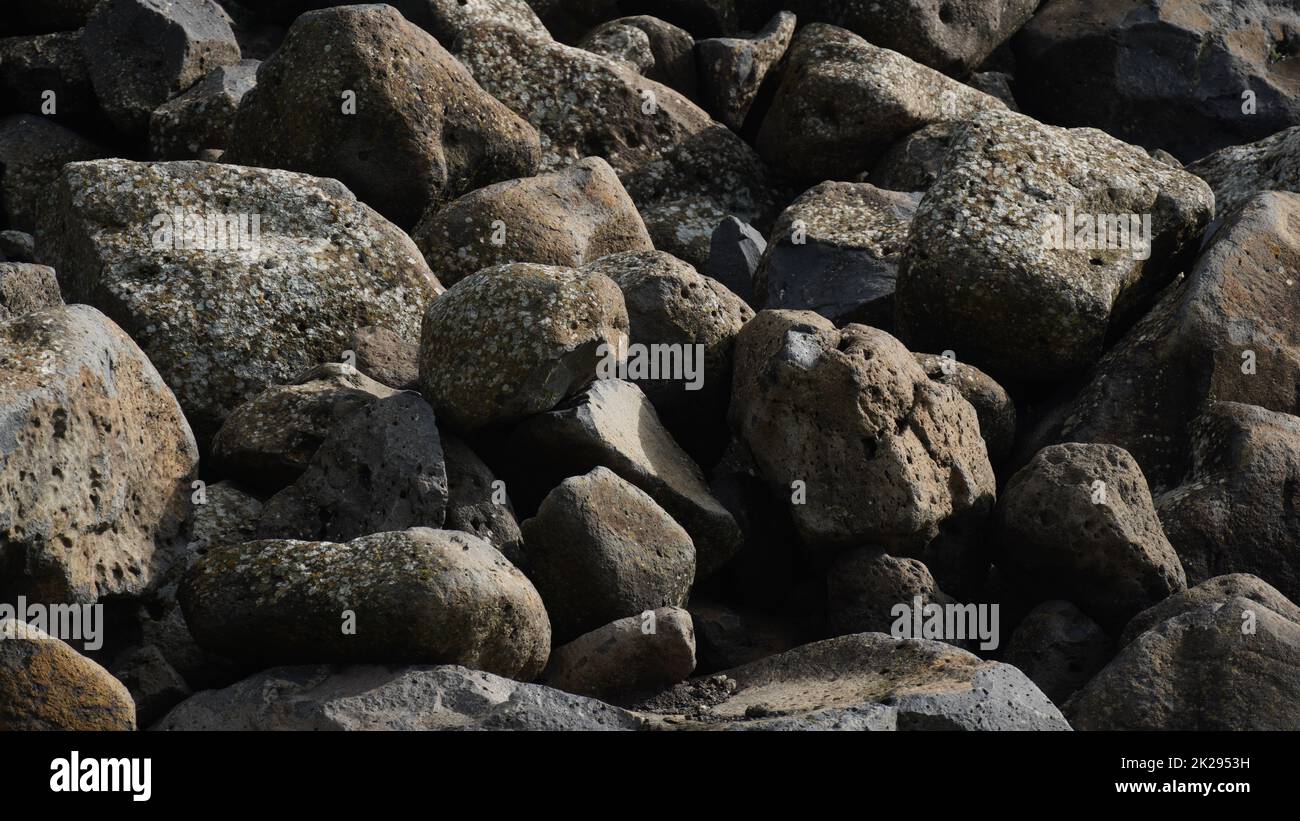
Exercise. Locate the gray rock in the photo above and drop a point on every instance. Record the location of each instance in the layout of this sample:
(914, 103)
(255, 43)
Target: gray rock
(26, 288)
(449, 19)
(32, 66)
(46, 685)
(472, 501)
(914, 162)
(1240, 173)
(17, 246)
(1213, 591)
(1059, 648)
(639, 653)
(154, 685)
(386, 357)
(671, 50)
(732, 69)
(32, 152)
(993, 405)
(627, 44)
(227, 515)
(202, 117)
(735, 250)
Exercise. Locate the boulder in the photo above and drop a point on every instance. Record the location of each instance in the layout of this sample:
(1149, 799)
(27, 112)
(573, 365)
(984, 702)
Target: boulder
(914, 162)
(992, 404)
(46, 685)
(1059, 648)
(31, 67)
(733, 68)
(660, 51)
(32, 152)
(1213, 591)
(477, 504)
(639, 653)
(449, 19)
(27, 288)
(863, 587)
(386, 357)
(735, 250)
(1240, 173)
(204, 116)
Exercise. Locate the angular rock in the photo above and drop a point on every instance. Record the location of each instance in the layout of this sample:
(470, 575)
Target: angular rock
(1210, 592)
(732, 68)
(417, 596)
(318, 265)
(32, 152)
(1078, 523)
(96, 460)
(379, 469)
(600, 549)
(1059, 648)
(387, 358)
(140, 53)
(670, 50)
(204, 116)
(421, 131)
(989, 273)
(1239, 173)
(227, 515)
(46, 685)
(836, 251)
(515, 340)
(26, 288)
(569, 217)
(627, 44)
(992, 404)
(864, 585)
(735, 250)
(472, 501)
(634, 654)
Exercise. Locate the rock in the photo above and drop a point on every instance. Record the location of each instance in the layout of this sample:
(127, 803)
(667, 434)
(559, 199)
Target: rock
(17, 246)
(421, 133)
(634, 654)
(472, 501)
(391, 698)
(600, 549)
(986, 275)
(46, 685)
(1175, 73)
(703, 18)
(735, 250)
(32, 67)
(836, 251)
(1225, 333)
(95, 460)
(570, 217)
(26, 288)
(140, 53)
(726, 637)
(1202, 670)
(733, 68)
(873, 681)
(379, 469)
(227, 515)
(914, 162)
(627, 44)
(515, 340)
(996, 84)
(449, 19)
(842, 101)
(312, 267)
(204, 116)
(611, 424)
(1235, 511)
(953, 37)
(992, 404)
(1078, 523)
(846, 424)
(414, 596)
(154, 685)
(671, 50)
(1211, 592)
(386, 357)
(1059, 648)
(32, 151)
(863, 586)
(268, 441)
(40, 16)
(1239, 173)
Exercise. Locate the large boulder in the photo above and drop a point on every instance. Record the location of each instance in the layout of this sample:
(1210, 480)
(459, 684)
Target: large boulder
(515, 340)
(307, 265)
(417, 596)
(46, 685)
(863, 587)
(1213, 591)
(203, 117)
(33, 151)
(1035, 242)
(992, 404)
(96, 460)
(359, 94)
(1239, 173)
(640, 653)
(447, 20)
(732, 69)
(31, 67)
(658, 50)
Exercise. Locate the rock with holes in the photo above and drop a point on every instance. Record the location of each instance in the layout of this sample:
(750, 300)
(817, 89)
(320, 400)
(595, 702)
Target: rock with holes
(641, 653)
(1211, 592)
(993, 405)
(843, 101)
(417, 596)
(569, 217)
(1238, 174)
(732, 69)
(96, 460)
(1078, 523)
(32, 152)
(46, 685)
(1035, 242)
(836, 251)
(477, 501)
(1059, 648)
(25, 288)
(193, 255)
(359, 94)
(386, 357)
(658, 50)
(204, 116)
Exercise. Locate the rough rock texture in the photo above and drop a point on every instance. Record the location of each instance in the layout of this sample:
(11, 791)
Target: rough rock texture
(139, 53)
(95, 460)
(204, 116)
(418, 596)
(836, 251)
(612, 424)
(449, 19)
(391, 698)
(1238, 173)
(26, 288)
(46, 685)
(226, 515)
(17, 246)
(914, 162)
(379, 469)
(32, 151)
(727, 637)
(386, 358)
(32, 66)
(660, 51)
(477, 504)
(515, 340)
(1078, 523)
(732, 69)
(422, 131)
(993, 406)
(864, 585)
(321, 265)
(842, 101)
(154, 685)
(1166, 74)
(735, 250)
(1211, 592)
(635, 654)
(873, 681)
(984, 274)
(600, 549)
(1059, 648)
(569, 217)
(1226, 666)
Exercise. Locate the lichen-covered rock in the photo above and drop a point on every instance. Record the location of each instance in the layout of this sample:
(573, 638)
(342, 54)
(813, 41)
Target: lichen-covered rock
(600, 549)
(25, 288)
(33, 150)
(46, 685)
(477, 504)
(1211, 592)
(1239, 173)
(359, 94)
(307, 265)
(515, 340)
(842, 101)
(1036, 241)
(1078, 523)
(569, 217)
(658, 50)
(836, 251)
(179, 41)
(449, 19)
(1059, 648)
(993, 405)
(414, 596)
(732, 68)
(225, 513)
(640, 653)
(386, 357)
(202, 117)
(96, 459)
